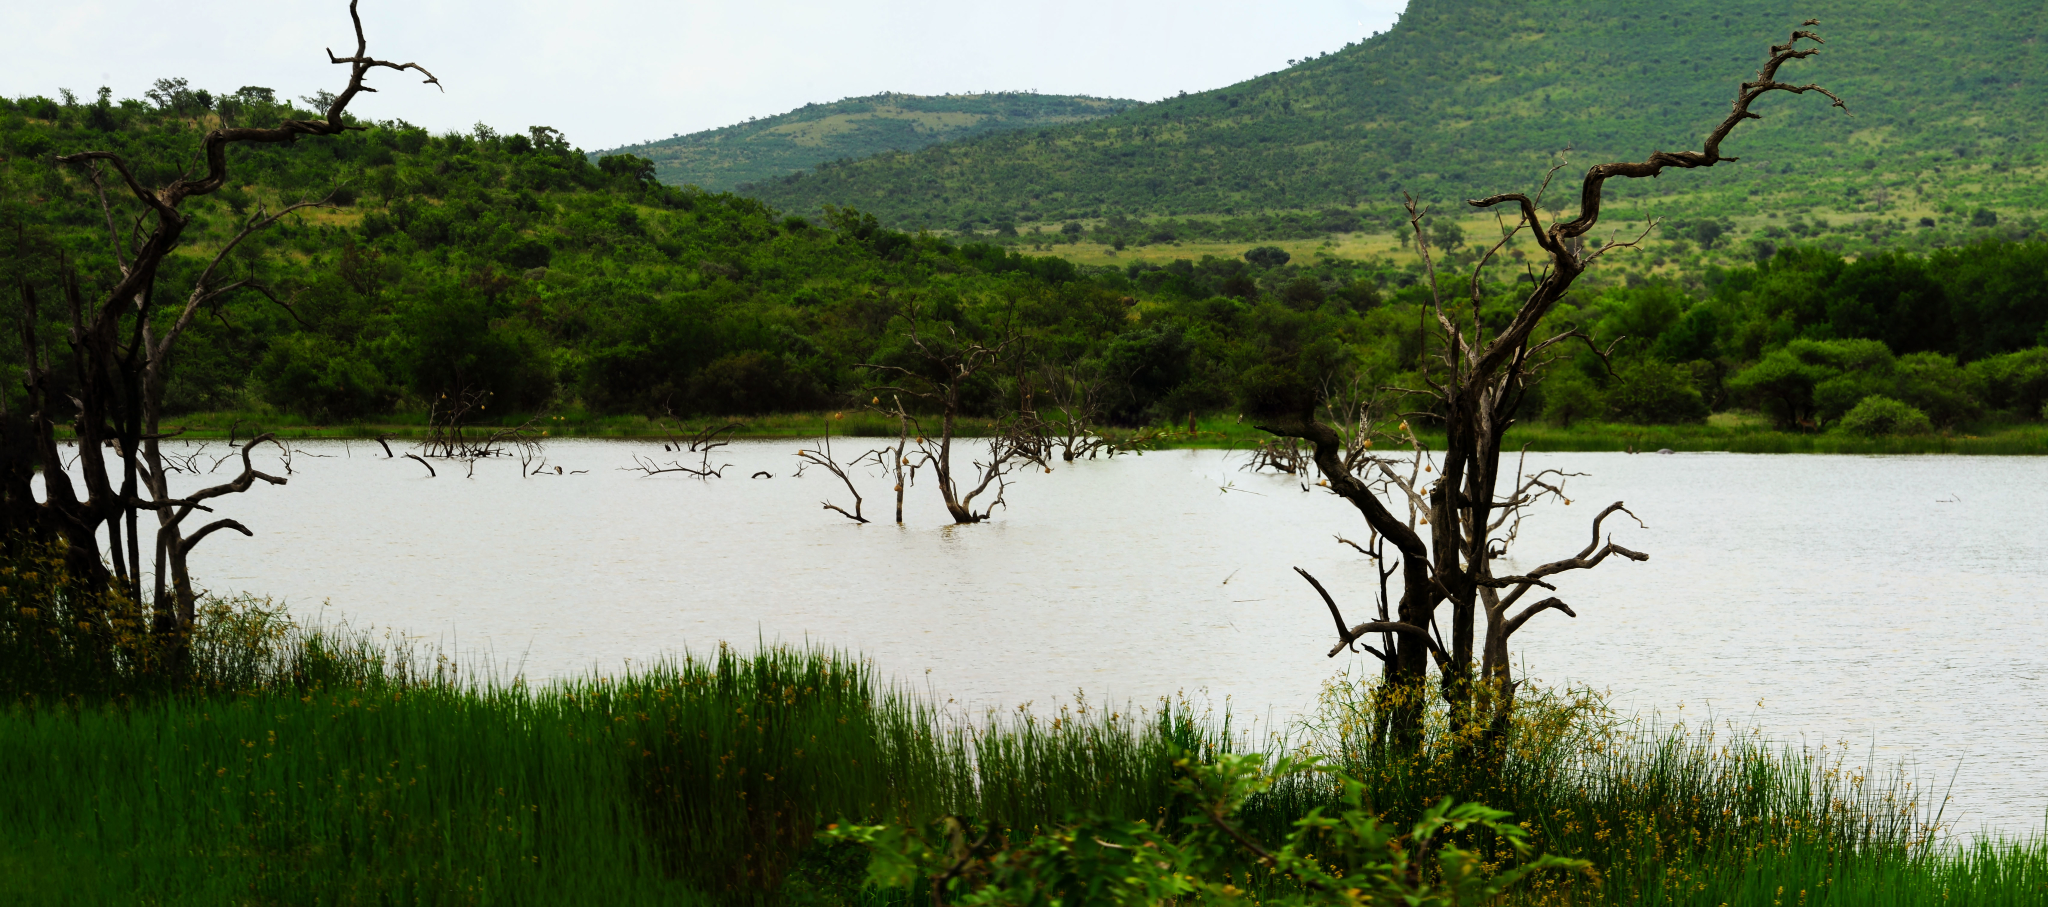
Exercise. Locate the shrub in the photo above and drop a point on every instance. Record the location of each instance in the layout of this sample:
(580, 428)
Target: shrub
(322, 379)
(1569, 396)
(751, 382)
(1880, 415)
(527, 254)
(1348, 855)
(1268, 256)
(1814, 381)
(1649, 392)
(1934, 384)
(1303, 293)
(2014, 382)
(460, 341)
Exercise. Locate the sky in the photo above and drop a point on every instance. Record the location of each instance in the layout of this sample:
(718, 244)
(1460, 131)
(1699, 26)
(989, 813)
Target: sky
(612, 73)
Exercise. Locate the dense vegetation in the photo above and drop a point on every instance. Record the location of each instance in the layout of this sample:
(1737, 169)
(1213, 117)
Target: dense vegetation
(1465, 98)
(291, 766)
(510, 264)
(768, 147)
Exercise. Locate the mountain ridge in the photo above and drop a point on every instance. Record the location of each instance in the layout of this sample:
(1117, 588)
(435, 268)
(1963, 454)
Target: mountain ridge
(1469, 97)
(760, 149)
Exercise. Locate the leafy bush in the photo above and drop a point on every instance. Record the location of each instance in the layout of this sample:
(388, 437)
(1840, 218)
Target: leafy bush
(318, 377)
(1809, 382)
(462, 342)
(2013, 382)
(1569, 396)
(1650, 392)
(1937, 386)
(1348, 857)
(1880, 415)
(1267, 256)
(751, 382)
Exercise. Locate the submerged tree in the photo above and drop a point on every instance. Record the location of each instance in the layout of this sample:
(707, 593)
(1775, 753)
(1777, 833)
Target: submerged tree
(110, 387)
(937, 367)
(1478, 380)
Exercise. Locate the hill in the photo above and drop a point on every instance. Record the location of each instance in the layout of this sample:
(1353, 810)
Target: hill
(511, 265)
(732, 156)
(1464, 97)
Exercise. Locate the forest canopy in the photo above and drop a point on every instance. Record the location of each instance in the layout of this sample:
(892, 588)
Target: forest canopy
(511, 263)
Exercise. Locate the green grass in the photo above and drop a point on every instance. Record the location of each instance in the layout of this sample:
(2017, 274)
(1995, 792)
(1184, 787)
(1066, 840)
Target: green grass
(696, 780)
(700, 780)
(290, 766)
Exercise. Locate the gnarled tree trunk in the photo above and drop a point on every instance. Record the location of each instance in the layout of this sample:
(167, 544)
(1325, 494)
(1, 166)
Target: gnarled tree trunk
(1479, 382)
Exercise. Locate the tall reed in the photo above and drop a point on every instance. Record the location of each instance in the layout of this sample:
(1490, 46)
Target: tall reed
(336, 767)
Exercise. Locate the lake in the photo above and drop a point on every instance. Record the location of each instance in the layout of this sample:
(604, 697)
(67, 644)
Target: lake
(1889, 604)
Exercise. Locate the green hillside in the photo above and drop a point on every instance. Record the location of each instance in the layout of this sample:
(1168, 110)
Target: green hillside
(1469, 96)
(512, 266)
(815, 134)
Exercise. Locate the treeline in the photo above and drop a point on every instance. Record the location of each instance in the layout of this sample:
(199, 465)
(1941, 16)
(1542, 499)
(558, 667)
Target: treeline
(1121, 231)
(511, 264)
(1808, 337)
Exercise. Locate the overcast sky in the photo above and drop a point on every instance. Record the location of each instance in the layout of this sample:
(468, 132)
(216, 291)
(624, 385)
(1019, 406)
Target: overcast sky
(610, 72)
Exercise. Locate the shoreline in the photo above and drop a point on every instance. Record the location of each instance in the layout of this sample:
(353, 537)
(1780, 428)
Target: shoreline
(1218, 432)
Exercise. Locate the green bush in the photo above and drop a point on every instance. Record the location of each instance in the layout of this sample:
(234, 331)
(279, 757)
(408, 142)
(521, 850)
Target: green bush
(1937, 386)
(1651, 392)
(1345, 855)
(752, 382)
(1880, 415)
(1807, 383)
(1569, 396)
(2013, 382)
(464, 339)
(320, 378)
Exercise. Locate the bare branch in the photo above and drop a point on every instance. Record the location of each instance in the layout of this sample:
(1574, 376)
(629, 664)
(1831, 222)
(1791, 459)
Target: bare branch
(1516, 622)
(1586, 559)
(195, 538)
(1347, 636)
(823, 457)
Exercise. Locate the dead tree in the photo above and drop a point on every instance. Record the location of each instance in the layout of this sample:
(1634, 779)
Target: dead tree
(1071, 422)
(701, 443)
(822, 457)
(174, 547)
(1280, 455)
(1478, 383)
(896, 459)
(122, 345)
(448, 424)
(945, 362)
(900, 458)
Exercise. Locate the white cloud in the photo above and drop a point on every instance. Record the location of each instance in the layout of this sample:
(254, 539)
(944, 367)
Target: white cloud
(610, 72)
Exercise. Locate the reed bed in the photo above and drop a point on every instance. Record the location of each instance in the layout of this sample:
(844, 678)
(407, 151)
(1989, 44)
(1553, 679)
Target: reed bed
(327, 767)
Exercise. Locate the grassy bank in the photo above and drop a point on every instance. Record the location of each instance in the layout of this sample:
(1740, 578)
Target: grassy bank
(323, 769)
(1724, 433)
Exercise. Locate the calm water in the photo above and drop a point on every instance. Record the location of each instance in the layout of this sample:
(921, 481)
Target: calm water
(1890, 602)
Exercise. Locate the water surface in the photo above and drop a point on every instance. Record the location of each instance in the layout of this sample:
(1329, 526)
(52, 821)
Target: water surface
(1889, 603)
